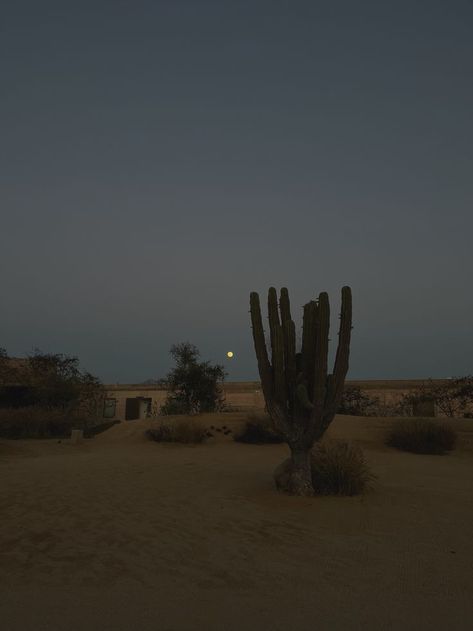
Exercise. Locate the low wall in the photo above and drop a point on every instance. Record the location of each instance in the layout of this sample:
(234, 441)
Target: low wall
(248, 395)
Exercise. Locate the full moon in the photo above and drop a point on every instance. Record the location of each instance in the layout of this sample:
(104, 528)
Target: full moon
(230, 354)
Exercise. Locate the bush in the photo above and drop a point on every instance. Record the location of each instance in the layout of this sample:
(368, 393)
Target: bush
(174, 405)
(49, 381)
(339, 468)
(421, 436)
(357, 403)
(178, 432)
(258, 430)
(193, 386)
(38, 422)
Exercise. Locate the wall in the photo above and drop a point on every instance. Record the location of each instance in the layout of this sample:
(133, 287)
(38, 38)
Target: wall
(248, 395)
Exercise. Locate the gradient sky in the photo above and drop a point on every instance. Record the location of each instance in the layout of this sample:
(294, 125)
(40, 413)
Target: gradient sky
(160, 160)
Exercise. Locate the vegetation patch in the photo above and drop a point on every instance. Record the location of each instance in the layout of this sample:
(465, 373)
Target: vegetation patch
(193, 387)
(182, 431)
(421, 436)
(37, 422)
(339, 468)
(258, 430)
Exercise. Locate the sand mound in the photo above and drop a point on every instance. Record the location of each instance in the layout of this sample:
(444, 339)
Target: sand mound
(133, 431)
(369, 432)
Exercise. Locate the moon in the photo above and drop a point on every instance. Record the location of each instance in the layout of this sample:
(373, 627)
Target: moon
(230, 354)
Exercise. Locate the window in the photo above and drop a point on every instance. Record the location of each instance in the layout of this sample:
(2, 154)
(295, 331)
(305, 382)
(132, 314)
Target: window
(109, 408)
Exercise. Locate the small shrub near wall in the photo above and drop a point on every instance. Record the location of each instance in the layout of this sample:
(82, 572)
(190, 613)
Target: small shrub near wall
(182, 431)
(258, 430)
(38, 422)
(421, 436)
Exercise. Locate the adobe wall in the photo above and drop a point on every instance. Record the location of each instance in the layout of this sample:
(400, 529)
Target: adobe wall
(248, 395)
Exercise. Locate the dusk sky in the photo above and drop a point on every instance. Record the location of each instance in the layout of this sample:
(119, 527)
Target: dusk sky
(161, 160)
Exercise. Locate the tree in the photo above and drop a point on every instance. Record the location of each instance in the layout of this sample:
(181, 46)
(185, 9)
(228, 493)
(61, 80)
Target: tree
(355, 402)
(194, 387)
(300, 397)
(52, 381)
(454, 398)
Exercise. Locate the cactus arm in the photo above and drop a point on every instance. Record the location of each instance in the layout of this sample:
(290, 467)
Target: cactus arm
(343, 349)
(289, 334)
(321, 356)
(307, 357)
(336, 381)
(277, 348)
(264, 367)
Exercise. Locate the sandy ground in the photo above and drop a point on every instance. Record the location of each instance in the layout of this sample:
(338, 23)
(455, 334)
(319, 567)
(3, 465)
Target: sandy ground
(120, 533)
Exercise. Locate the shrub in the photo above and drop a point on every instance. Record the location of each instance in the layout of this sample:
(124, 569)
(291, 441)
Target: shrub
(38, 422)
(174, 405)
(193, 386)
(421, 436)
(178, 432)
(49, 381)
(339, 468)
(452, 397)
(258, 430)
(357, 403)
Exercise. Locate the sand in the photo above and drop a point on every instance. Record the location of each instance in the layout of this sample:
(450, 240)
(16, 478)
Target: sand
(121, 533)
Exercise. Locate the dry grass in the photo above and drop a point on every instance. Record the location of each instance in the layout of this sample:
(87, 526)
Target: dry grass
(258, 430)
(182, 431)
(38, 422)
(421, 436)
(339, 468)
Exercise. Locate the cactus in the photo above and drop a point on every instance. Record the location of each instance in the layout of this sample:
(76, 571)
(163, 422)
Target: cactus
(301, 398)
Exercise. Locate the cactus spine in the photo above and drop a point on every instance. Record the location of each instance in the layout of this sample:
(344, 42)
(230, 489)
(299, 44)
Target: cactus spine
(301, 398)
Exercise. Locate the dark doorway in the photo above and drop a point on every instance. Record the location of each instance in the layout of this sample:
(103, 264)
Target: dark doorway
(132, 409)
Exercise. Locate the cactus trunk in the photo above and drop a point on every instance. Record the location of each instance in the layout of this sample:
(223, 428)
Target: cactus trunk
(300, 396)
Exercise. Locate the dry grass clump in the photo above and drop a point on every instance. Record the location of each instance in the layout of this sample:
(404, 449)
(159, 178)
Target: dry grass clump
(183, 431)
(421, 436)
(258, 430)
(36, 422)
(339, 468)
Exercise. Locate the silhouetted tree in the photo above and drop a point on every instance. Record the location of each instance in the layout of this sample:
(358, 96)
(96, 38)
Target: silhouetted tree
(357, 403)
(454, 398)
(194, 386)
(49, 381)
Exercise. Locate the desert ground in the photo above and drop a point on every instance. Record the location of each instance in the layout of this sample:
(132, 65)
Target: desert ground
(121, 533)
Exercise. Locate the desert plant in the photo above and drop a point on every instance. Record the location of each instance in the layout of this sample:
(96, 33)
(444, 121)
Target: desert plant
(355, 402)
(193, 386)
(421, 436)
(453, 397)
(258, 430)
(38, 422)
(181, 431)
(301, 398)
(174, 405)
(49, 381)
(340, 468)
(337, 468)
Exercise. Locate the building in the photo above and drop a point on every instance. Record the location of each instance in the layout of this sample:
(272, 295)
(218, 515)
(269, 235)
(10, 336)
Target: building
(129, 402)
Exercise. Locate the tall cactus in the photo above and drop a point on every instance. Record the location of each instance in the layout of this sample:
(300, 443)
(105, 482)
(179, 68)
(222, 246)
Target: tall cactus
(301, 398)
